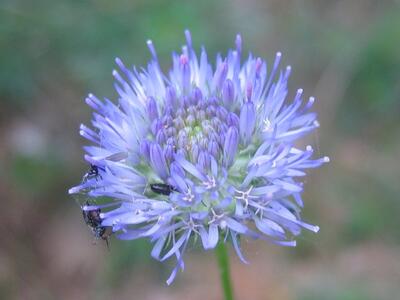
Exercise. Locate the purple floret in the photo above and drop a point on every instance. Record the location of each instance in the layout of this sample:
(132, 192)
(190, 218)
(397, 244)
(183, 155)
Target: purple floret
(219, 142)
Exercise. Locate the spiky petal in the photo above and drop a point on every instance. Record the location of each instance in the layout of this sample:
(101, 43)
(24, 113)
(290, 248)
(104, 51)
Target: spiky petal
(219, 144)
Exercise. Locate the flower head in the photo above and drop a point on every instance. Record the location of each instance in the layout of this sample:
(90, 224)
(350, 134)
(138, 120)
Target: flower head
(203, 152)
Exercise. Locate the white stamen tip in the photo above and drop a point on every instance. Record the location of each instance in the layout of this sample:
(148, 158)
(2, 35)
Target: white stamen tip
(152, 49)
(72, 190)
(300, 91)
(312, 100)
(278, 54)
(309, 148)
(316, 123)
(114, 73)
(327, 159)
(184, 59)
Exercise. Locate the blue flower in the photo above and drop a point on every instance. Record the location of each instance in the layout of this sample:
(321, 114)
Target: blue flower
(202, 152)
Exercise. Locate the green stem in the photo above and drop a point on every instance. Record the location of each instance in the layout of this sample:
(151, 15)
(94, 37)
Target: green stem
(223, 263)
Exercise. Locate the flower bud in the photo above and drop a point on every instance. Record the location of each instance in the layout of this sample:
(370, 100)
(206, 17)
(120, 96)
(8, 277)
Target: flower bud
(247, 121)
(230, 145)
(157, 161)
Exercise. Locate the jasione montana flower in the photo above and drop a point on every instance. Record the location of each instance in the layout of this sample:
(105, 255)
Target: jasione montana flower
(202, 152)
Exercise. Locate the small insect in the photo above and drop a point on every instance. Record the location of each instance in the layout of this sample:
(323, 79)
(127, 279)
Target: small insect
(94, 169)
(162, 188)
(93, 221)
(93, 172)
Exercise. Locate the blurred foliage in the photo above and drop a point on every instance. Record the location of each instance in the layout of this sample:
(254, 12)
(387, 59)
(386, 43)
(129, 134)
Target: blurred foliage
(79, 39)
(129, 256)
(374, 89)
(25, 171)
(371, 218)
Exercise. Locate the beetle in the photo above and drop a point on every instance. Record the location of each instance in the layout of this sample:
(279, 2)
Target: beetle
(162, 188)
(93, 221)
(94, 171)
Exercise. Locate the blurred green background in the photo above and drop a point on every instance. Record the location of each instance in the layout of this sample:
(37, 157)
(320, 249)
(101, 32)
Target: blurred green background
(346, 53)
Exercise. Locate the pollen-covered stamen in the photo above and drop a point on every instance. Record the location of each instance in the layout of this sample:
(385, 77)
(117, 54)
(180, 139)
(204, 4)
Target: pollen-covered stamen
(215, 217)
(210, 183)
(188, 197)
(245, 196)
(191, 225)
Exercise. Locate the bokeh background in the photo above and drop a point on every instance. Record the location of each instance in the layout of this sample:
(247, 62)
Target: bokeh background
(346, 53)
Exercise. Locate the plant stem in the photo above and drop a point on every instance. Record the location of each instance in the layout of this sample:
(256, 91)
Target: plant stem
(223, 263)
